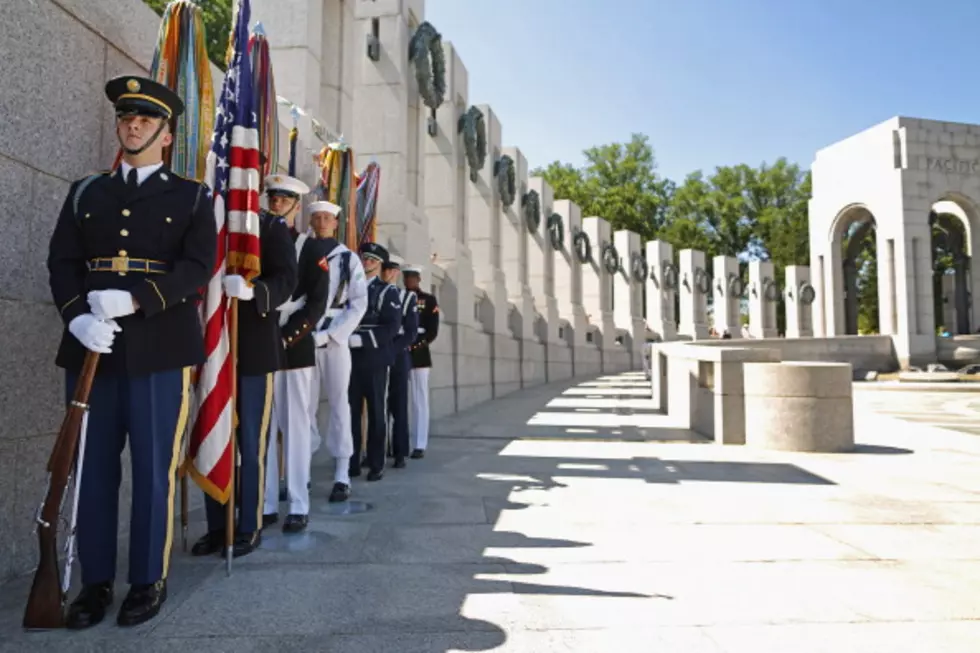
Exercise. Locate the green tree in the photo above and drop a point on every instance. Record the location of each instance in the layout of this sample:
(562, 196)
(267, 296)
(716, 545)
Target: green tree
(217, 24)
(619, 182)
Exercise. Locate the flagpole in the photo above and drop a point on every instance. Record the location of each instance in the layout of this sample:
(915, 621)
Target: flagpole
(233, 476)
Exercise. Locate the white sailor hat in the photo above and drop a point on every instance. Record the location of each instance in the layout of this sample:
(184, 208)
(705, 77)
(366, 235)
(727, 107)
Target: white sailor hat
(324, 207)
(285, 185)
(412, 269)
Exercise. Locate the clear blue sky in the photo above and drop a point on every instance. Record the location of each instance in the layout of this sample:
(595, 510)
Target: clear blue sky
(712, 82)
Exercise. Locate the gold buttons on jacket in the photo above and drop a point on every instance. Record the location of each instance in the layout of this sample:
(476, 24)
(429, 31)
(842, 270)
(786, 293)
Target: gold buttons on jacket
(168, 219)
(124, 232)
(123, 252)
(125, 213)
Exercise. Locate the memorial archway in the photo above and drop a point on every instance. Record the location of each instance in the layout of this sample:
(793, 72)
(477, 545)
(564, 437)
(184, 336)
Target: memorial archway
(949, 223)
(854, 236)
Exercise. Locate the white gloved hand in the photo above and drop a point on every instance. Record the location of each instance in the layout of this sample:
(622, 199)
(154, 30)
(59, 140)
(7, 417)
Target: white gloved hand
(236, 286)
(109, 304)
(286, 309)
(355, 341)
(321, 338)
(94, 334)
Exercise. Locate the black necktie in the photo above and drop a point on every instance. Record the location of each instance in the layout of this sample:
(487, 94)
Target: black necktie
(131, 178)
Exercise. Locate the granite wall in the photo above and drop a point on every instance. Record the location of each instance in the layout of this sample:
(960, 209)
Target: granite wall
(57, 126)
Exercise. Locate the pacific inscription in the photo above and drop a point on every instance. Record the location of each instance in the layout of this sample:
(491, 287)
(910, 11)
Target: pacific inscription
(961, 166)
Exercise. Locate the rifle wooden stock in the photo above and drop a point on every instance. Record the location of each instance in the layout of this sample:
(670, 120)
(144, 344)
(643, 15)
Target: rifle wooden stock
(46, 602)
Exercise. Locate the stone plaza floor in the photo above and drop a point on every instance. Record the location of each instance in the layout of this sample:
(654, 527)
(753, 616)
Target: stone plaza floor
(573, 517)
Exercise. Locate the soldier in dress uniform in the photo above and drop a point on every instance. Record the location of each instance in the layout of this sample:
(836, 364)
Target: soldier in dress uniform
(346, 304)
(428, 329)
(370, 348)
(260, 355)
(298, 318)
(400, 366)
(129, 252)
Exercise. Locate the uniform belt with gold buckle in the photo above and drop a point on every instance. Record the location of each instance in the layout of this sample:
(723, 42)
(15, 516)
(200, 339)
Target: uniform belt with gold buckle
(126, 264)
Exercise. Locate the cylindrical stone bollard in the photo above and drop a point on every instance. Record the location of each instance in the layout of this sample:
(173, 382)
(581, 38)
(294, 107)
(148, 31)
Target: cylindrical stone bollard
(799, 406)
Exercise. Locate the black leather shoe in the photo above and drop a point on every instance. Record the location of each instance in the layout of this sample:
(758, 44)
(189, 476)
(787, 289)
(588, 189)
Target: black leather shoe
(88, 608)
(245, 543)
(399, 462)
(270, 519)
(340, 493)
(295, 523)
(209, 544)
(376, 475)
(418, 453)
(142, 603)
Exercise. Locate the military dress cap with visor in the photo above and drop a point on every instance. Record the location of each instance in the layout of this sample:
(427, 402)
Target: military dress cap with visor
(412, 269)
(393, 263)
(140, 96)
(375, 251)
(285, 186)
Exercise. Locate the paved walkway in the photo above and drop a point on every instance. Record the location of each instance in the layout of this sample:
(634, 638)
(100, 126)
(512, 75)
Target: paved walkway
(574, 518)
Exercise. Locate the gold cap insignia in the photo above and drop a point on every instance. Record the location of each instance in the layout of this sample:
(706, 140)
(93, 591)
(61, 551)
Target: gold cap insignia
(132, 86)
(277, 179)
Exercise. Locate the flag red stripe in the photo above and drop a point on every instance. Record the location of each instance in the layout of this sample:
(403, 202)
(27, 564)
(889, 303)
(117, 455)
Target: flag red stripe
(240, 199)
(240, 157)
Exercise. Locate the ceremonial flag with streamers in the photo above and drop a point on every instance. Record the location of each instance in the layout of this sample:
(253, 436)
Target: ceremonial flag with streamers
(233, 175)
(338, 185)
(266, 107)
(367, 203)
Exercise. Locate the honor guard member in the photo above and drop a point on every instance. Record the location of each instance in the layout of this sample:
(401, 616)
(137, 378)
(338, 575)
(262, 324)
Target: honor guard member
(346, 304)
(128, 254)
(291, 397)
(370, 346)
(428, 329)
(400, 366)
(260, 355)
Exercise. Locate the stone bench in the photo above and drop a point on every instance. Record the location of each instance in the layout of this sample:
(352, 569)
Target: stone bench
(702, 387)
(745, 395)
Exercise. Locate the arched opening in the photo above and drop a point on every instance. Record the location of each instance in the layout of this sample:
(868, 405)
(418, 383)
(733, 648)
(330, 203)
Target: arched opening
(855, 233)
(951, 251)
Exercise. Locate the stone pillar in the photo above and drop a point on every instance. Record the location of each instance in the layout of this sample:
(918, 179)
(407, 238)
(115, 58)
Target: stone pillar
(800, 296)
(694, 285)
(568, 274)
(513, 250)
(661, 286)
(628, 293)
(728, 291)
(446, 178)
(763, 298)
(597, 283)
(389, 126)
(483, 228)
(541, 262)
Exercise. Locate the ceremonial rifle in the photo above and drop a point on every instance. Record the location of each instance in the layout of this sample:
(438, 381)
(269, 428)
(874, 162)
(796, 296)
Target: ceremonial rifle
(46, 602)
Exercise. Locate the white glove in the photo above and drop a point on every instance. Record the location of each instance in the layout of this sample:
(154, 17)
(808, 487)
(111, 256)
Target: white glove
(355, 341)
(286, 309)
(236, 286)
(322, 338)
(109, 304)
(95, 334)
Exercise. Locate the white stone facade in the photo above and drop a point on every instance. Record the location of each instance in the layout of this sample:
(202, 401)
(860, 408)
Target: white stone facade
(894, 174)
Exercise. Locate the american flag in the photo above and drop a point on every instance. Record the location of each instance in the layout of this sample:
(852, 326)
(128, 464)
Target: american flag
(233, 176)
